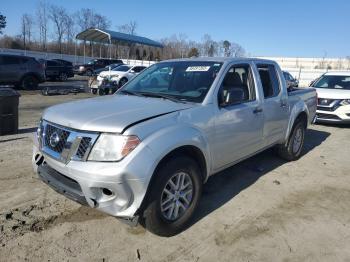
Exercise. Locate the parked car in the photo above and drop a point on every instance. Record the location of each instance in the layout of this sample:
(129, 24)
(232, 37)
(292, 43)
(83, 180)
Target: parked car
(107, 68)
(291, 81)
(333, 90)
(65, 62)
(58, 70)
(121, 74)
(21, 71)
(144, 153)
(88, 69)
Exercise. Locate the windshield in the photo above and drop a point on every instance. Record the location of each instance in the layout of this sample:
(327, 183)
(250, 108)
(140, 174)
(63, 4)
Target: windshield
(91, 62)
(122, 68)
(183, 80)
(333, 82)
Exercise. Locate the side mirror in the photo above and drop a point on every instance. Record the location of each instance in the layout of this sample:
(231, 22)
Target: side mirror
(231, 96)
(132, 71)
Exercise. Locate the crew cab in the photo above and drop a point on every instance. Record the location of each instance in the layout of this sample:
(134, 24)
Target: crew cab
(333, 90)
(144, 153)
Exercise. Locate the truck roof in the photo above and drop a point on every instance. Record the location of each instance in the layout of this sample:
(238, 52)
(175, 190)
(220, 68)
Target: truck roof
(338, 73)
(221, 59)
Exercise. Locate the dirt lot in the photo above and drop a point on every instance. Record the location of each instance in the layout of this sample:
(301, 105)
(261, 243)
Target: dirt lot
(263, 209)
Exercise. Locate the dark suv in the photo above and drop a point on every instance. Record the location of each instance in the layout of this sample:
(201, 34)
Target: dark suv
(58, 70)
(92, 65)
(21, 71)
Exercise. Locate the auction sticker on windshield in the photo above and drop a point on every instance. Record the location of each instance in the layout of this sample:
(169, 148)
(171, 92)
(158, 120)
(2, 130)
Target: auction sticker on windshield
(197, 68)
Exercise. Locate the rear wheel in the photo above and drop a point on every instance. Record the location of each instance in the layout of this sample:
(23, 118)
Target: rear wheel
(173, 198)
(94, 91)
(63, 76)
(292, 149)
(101, 91)
(29, 83)
(88, 72)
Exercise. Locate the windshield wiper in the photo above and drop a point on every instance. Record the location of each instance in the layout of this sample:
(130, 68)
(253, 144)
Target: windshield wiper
(157, 95)
(127, 92)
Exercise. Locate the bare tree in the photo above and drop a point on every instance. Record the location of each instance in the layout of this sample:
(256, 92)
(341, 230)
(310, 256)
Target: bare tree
(2, 23)
(26, 30)
(100, 21)
(87, 18)
(58, 15)
(226, 45)
(42, 22)
(129, 28)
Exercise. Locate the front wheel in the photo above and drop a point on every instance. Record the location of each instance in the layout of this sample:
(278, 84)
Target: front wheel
(29, 83)
(122, 82)
(292, 149)
(174, 197)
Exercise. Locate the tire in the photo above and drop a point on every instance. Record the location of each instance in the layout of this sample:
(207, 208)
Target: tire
(106, 91)
(292, 149)
(63, 77)
(122, 82)
(101, 91)
(94, 91)
(89, 72)
(154, 217)
(29, 83)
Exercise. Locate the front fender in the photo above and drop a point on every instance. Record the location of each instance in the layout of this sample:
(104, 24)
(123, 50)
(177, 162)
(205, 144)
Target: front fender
(168, 139)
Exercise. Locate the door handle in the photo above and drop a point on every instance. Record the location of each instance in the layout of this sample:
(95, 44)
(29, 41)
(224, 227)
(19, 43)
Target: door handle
(257, 110)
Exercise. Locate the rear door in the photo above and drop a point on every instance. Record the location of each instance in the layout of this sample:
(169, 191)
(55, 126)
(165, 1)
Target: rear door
(238, 123)
(53, 68)
(275, 105)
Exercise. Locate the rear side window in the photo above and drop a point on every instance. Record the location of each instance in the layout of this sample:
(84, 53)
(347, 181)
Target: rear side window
(269, 80)
(11, 60)
(138, 69)
(52, 63)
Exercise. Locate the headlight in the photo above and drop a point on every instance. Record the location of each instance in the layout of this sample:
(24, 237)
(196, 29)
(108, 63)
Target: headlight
(110, 147)
(81, 68)
(345, 102)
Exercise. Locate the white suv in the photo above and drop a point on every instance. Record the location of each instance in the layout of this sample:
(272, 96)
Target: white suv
(333, 90)
(121, 74)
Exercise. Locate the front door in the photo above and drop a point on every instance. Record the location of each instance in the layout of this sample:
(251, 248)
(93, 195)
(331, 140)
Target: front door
(239, 117)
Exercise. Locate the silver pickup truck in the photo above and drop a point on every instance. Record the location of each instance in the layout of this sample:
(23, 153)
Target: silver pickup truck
(144, 153)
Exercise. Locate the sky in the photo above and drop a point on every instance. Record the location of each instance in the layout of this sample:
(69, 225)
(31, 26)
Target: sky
(298, 28)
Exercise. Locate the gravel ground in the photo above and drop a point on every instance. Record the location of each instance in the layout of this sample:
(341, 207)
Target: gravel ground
(262, 209)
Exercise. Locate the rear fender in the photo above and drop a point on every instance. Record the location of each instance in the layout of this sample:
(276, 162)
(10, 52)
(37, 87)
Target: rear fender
(298, 108)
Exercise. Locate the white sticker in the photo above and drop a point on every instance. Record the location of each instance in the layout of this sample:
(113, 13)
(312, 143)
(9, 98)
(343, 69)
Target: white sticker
(197, 68)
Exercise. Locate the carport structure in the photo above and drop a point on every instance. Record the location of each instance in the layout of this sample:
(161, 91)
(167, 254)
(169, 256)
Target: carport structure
(108, 37)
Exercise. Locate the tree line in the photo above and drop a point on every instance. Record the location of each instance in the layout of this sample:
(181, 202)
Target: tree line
(52, 28)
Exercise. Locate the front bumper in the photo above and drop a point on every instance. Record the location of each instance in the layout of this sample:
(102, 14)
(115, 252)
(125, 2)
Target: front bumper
(340, 115)
(115, 188)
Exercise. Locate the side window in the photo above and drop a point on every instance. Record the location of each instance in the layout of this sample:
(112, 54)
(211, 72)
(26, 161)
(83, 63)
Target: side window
(11, 60)
(138, 69)
(269, 80)
(237, 86)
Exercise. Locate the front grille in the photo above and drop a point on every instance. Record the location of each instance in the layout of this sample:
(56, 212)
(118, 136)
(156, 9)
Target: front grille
(64, 143)
(330, 109)
(61, 136)
(327, 116)
(85, 143)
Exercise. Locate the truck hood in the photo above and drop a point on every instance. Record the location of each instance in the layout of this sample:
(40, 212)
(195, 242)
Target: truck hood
(333, 93)
(110, 113)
